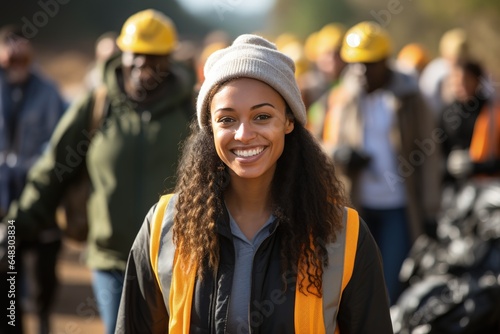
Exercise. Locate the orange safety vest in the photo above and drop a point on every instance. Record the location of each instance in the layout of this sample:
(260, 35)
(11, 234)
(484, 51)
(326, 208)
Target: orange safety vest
(485, 143)
(177, 284)
(331, 124)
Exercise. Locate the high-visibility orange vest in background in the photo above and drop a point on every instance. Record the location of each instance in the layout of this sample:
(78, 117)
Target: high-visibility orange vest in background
(485, 143)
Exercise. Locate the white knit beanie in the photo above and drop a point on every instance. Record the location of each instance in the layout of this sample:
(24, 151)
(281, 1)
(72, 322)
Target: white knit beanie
(251, 56)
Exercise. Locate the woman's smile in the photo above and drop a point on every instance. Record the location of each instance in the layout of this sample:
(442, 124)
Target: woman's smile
(249, 124)
(250, 152)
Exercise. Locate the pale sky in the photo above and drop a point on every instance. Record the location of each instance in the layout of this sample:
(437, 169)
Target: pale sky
(223, 8)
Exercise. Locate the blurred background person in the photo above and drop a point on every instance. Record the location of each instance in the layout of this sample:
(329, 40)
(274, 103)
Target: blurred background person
(292, 46)
(374, 129)
(213, 41)
(453, 46)
(321, 81)
(105, 48)
(413, 58)
(30, 107)
(471, 125)
(206, 51)
(131, 160)
(463, 251)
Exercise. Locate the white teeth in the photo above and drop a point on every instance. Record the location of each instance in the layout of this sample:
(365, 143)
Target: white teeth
(248, 153)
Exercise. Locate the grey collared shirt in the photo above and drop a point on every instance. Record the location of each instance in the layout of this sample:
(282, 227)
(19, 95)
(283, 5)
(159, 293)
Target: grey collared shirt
(245, 249)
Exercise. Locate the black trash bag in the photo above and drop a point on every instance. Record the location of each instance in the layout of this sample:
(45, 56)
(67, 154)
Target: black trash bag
(441, 304)
(452, 282)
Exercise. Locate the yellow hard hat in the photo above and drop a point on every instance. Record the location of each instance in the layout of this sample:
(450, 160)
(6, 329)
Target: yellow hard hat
(285, 39)
(295, 50)
(148, 32)
(366, 42)
(311, 46)
(330, 37)
(290, 45)
(454, 44)
(414, 55)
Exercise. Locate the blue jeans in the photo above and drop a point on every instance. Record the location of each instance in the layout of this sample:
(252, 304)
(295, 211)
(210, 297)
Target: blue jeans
(107, 286)
(390, 230)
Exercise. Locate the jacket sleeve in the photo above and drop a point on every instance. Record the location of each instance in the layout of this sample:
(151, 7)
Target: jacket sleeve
(60, 162)
(142, 309)
(364, 308)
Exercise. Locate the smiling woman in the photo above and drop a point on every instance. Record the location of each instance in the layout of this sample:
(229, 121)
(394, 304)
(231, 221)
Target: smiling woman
(240, 7)
(256, 236)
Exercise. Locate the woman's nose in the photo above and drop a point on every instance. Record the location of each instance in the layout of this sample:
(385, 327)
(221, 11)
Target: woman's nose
(244, 132)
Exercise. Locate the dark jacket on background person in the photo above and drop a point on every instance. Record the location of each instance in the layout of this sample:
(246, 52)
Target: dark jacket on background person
(473, 126)
(413, 135)
(28, 115)
(131, 160)
(159, 296)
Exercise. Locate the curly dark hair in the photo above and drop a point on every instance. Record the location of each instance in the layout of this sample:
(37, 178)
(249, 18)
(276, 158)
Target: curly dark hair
(308, 200)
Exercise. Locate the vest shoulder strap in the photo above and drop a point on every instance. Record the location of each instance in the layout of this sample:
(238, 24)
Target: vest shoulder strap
(318, 314)
(155, 230)
(174, 279)
(352, 232)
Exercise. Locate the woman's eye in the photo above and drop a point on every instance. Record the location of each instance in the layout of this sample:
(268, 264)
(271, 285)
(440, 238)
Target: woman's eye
(225, 120)
(262, 117)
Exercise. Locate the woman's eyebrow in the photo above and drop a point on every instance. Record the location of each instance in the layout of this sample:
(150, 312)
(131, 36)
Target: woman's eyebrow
(260, 105)
(223, 109)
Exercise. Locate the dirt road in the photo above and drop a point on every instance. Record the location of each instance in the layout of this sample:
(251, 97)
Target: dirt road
(75, 311)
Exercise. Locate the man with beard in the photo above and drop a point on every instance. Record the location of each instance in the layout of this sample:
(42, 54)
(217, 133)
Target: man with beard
(130, 159)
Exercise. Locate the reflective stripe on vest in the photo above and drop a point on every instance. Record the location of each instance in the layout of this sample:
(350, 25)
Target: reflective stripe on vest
(161, 236)
(486, 135)
(176, 284)
(318, 315)
(312, 314)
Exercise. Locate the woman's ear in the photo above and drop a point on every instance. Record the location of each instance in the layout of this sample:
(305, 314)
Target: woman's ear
(289, 125)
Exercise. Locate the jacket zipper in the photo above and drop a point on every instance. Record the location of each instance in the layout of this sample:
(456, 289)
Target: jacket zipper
(213, 303)
(266, 240)
(229, 298)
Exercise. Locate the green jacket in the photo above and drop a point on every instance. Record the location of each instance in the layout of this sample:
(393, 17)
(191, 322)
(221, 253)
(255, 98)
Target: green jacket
(131, 161)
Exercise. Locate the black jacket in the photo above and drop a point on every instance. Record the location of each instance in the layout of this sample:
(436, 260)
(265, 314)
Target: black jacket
(363, 306)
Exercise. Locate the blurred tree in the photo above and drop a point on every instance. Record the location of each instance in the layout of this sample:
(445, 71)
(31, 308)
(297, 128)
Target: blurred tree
(304, 17)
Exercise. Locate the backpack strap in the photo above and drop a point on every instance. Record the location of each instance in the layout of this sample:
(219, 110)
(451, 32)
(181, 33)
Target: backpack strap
(71, 212)
(98, 109)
